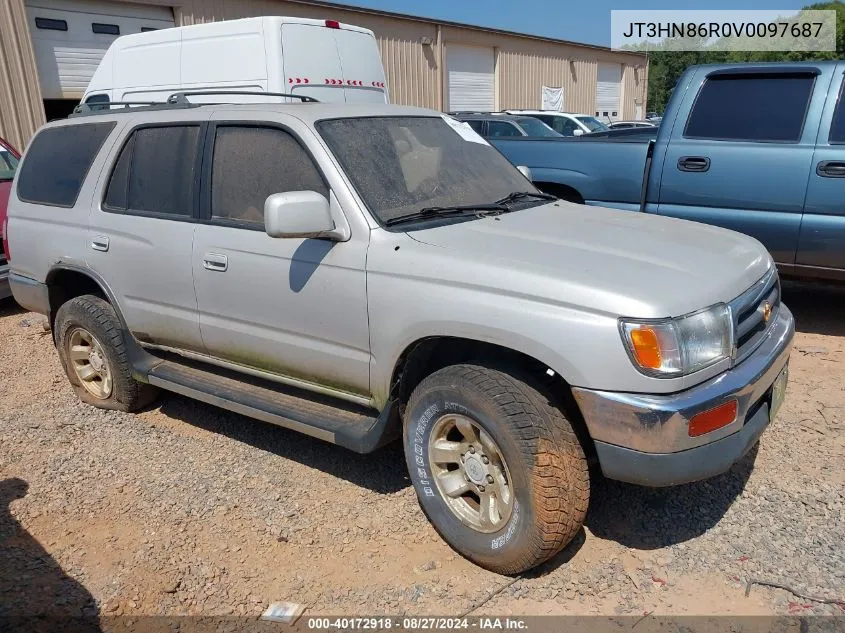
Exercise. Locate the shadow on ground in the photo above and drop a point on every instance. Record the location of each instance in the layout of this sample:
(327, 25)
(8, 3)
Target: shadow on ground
(383, 471)
(35, 593)
(651, 518)
(8, 307)
(818, 307)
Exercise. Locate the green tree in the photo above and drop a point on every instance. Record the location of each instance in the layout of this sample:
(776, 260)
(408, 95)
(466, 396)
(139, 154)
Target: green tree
(666, 66)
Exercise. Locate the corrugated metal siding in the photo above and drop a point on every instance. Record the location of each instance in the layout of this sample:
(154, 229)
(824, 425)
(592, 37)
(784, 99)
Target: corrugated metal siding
(522, 74)
(633, 90)
(21, 108)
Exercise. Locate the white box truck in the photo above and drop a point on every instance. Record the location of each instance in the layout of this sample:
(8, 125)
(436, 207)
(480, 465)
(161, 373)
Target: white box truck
(324, 59)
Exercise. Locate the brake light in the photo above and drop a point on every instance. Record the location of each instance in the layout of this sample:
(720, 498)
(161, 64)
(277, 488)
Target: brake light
(332, 24)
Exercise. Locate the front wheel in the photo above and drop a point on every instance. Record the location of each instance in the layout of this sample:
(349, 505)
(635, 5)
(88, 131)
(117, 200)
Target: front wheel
(497, 469)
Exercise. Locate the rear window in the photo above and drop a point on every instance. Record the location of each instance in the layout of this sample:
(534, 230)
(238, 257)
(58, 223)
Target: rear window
(57, 162)
(767, 108)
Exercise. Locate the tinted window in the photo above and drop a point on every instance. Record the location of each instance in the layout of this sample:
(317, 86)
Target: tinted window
(476, 125)
(58, 160)
(837, 125)
(252, 163)
(535, 127)
(105, 29)
(752, 108)
(501, 128)
(50, 24)
(155, 172)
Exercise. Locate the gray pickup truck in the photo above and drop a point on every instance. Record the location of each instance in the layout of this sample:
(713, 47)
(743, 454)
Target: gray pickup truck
(756, 148)
(362, 273)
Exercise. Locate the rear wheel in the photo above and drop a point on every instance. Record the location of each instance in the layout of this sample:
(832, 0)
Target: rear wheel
(92, 349)
(497, 469)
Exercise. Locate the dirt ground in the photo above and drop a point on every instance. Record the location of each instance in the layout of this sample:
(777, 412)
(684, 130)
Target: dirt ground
(186, 509)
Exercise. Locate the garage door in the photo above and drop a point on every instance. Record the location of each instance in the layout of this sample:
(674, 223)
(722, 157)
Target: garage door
(471, 78)
(71, 36)
(608, 92)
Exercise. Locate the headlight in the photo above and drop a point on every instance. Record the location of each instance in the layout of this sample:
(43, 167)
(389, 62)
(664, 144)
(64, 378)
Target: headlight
(676, 347)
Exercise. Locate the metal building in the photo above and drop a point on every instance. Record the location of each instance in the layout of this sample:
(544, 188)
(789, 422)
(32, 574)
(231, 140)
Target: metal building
(50, 48)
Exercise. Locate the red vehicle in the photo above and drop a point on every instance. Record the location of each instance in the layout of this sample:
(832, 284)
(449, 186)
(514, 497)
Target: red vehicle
(8, 165)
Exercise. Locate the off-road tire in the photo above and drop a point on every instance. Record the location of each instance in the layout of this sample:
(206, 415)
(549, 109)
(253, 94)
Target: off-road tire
(547, 466)
(98, 317)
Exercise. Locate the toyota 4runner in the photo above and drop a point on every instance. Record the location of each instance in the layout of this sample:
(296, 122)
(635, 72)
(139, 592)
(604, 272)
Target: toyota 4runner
(362, 273)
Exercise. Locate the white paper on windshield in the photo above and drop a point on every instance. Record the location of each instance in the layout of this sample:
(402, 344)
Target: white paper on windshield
(464, 130)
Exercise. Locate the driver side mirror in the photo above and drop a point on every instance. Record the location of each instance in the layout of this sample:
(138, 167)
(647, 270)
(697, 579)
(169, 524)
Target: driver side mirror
(298, 214)
(577, 131)
(525, 171)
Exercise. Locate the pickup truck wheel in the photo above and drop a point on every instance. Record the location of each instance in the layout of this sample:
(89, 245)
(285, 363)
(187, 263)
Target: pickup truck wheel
(93, 352)
(498, 470)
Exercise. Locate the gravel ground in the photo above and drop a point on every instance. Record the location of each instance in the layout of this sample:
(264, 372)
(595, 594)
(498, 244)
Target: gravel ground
(187, 509)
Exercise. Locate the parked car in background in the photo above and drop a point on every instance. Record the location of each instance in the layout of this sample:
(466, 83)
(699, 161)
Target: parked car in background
(324, 59)
(564, 123)
(497, 125)
(363, 273)
(624, 125)
(758, 148)
(8, 166)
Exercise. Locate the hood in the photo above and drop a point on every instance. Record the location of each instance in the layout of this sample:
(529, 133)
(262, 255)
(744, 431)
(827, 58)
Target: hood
(620, 263)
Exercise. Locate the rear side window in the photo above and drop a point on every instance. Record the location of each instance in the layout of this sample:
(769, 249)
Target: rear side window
(837, 125)
(252, 163)
(501, 128)
(57, 162)
(156, 172)
(768, 108)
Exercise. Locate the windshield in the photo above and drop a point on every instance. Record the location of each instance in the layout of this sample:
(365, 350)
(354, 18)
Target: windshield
(593, 123)
(401, 165)
(535, 127)
(8, 164)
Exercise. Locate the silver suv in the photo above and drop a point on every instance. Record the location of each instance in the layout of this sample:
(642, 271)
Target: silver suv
(362, 273)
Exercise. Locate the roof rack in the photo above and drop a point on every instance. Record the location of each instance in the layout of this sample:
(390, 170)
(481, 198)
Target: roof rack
(106, 105)
(175, 100)
(179, 98)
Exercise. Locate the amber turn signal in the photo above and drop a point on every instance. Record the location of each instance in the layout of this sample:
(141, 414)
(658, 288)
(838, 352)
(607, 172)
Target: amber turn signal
(713, 419)
(646, 347)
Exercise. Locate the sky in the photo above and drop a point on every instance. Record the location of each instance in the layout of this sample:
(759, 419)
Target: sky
(586, 21)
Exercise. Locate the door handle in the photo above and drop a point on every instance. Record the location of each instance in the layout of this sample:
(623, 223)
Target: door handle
(100, 243)
(693, 163)
(216, 262)
(831, 169)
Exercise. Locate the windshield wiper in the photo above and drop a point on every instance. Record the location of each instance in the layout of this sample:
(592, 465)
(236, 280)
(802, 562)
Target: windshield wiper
(431, 212)
(519, 195)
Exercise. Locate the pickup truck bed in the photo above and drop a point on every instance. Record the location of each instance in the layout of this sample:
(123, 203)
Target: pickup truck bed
(757, 148)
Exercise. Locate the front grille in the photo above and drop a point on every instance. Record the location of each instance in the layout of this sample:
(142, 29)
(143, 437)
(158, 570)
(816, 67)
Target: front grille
(748, 312)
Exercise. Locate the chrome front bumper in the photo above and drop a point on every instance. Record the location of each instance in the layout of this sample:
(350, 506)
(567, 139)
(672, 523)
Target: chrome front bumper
(643, 438)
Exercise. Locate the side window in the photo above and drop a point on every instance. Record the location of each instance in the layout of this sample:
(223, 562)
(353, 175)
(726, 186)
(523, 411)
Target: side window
(252, 163)
(57, 162)
(501, 128)
(156, 172)
(837, 125)
(476, 125)
(751, 108)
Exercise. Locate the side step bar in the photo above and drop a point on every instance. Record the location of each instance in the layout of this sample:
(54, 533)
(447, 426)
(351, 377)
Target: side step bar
(356, 428)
